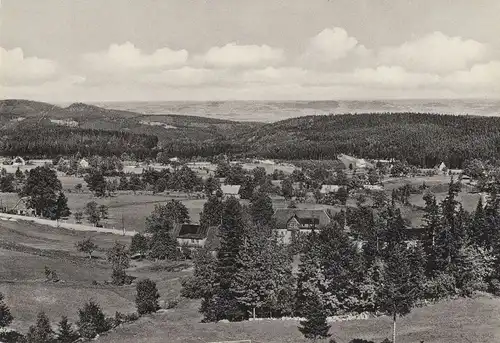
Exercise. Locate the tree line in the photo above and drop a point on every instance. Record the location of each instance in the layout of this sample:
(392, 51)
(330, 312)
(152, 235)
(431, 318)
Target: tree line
(52, 141)
(373, 267)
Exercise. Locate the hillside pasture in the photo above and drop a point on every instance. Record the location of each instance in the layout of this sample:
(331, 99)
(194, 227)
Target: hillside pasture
(464, 320)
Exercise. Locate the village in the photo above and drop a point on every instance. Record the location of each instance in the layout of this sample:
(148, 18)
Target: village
(301, 211)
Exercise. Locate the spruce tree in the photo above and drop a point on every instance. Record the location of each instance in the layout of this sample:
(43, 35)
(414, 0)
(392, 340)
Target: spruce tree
(5, 315)
(252, 283)
(479, 233)
(65, 332)
(281, 298)
(92, 320)
(202, 283)
(212, 212)
(223, 304)
(261, 209)
(41, 332)
(401, 287)
(311, 283)
(314, 326)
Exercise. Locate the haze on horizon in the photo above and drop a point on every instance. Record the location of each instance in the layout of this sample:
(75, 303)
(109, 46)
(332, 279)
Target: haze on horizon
(92, 50)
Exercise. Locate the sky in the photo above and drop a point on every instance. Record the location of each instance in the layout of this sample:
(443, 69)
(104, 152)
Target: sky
(154, 50)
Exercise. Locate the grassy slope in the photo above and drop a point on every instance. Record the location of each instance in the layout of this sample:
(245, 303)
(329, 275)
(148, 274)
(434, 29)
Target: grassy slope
(25, 250)
(463, 320)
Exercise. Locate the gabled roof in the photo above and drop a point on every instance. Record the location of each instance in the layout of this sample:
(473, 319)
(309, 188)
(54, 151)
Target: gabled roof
(283, 215)
(307, 221)
(191, 231)
(230, 189)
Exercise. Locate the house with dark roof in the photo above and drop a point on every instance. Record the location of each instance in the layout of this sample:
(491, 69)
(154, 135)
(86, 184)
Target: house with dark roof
(195, 236)
(290, 221)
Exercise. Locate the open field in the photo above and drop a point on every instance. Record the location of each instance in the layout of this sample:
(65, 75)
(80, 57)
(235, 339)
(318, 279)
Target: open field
(458, 321)
(25, 250)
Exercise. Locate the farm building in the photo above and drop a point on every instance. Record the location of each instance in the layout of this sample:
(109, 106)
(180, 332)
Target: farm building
(84, 164)
(441, 167)
(18, 161)
(230, 191)
(194, 236)
(290, 221)
(325, 189)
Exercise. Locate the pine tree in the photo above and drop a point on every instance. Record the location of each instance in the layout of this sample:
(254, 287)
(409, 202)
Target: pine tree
(42, 331)
(223, 304)
(261, 209)
(65, 332)
(281, 298)
(287, 189)
(311, 283)
(92, 320)
(212, 212)
(479, 232)
(147, 297)
(314, 326)
(252, 283)
(202, 283)
(401, 285)
(5, 315)
(61, 208)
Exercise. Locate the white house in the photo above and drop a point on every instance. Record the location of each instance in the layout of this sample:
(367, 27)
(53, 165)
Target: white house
(230, 191)
(326, 189)
(441, 167)
(84, 164)
(292, 221)
(373, 187)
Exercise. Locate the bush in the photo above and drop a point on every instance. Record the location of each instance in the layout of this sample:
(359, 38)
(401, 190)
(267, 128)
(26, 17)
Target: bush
(11, 337)
(5, 315)
(172, 303)
(147, 297)
(92, 320)
(441, 286)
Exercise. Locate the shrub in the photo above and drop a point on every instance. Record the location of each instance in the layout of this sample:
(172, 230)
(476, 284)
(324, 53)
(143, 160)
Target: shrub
(441, 286)
(5, 315)
(92, 320)
(172, 303)
(147, 297)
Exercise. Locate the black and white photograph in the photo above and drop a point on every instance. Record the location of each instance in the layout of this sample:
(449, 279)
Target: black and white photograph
(250, 171)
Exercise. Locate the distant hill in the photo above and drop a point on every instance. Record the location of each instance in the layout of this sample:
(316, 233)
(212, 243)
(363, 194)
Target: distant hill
(423, 139)
(420, 138)
(16, 113)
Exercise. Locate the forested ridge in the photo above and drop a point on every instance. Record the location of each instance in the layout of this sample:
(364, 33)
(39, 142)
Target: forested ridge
(422, 139)
(50, 141)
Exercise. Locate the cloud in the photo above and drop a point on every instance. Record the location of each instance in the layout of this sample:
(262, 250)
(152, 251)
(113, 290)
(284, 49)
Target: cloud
(17, 69)
(485, 76)
(435, 53)
(126, 57)
(331, 45)
(334, 64)
(233, 55)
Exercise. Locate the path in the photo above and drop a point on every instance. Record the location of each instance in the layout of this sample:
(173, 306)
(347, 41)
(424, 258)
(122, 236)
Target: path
(69, 226)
